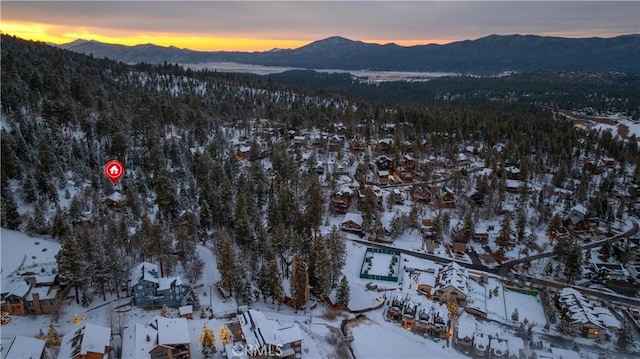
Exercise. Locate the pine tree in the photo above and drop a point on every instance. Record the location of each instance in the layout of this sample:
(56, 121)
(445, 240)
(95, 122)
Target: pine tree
(9, 161)
(521, 225)
(166, 196)
(164, 311)
(225, 335)
(241, 222)
(504, 236)
(342, 296)
(85, 300)
(452, 308)
(244, 289)
(30, 190)
(187, 236)
(226, 257)
(277, 291)
(336, 249)
(61, 225)
(625, 338)
(370, 214)
(605, 251)
(319, 268)
(53, 338)
(5, 318)
(468, 228)
(205, 217)
(573, 261)
(264, 280)
(70, 267)
(100, 270)
(314, 209)
(515, 316)
(207, 342)
(10, 218)
(299, 282)
(413, 217)
(115, 264)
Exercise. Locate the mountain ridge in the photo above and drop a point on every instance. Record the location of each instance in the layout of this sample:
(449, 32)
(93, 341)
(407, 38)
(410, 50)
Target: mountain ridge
(489, 54)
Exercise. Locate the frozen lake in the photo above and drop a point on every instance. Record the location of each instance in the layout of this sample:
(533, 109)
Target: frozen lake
(266, 70)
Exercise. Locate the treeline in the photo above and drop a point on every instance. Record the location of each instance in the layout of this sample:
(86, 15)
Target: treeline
(615, 92)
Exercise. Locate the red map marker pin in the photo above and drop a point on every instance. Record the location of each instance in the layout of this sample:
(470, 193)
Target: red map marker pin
(114, 170)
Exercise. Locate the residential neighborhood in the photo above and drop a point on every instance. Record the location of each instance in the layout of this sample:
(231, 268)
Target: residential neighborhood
(170, 210)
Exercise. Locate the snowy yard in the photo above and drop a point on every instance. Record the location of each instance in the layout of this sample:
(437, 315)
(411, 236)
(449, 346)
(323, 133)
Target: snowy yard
(361, 297)
(377, 338)
(18, 249)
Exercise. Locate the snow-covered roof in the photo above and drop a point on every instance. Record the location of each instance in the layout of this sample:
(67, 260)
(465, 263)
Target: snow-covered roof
(260, 331)
(454, 275)
(513, 183)
(187, 309)
(115, 196)
(608, 320)
(481, 341)
(45, 279)
(512, 169)
(88, 338)
(244, 149)
(580, 309)
(25, 348)
(172, 331)
(499, 346)
(466, 326)
(42, 292)
(18, 287)
(134, 341)
(426, 279)
(477, 299)
(355, 217)
(515, 345)
(558, 353)
(144, 271)
(165, 283)
(579, 209)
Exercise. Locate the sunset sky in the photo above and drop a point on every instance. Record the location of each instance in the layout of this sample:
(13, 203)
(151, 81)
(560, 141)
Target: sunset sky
(263, 25)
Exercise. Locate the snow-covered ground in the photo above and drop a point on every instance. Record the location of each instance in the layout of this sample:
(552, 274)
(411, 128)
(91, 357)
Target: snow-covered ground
(21, 250)
(634, 127)
(376, 338)
(361, 297)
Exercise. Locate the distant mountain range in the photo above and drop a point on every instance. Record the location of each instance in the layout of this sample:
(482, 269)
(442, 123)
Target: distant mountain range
(491, 54)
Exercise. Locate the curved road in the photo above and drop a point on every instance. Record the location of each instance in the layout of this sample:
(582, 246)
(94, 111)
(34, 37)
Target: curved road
(505, 267)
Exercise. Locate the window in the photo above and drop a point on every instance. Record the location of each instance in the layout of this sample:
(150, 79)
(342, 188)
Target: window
(140, 286)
